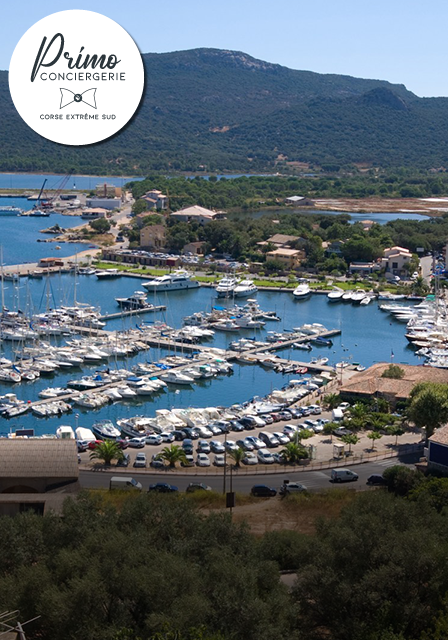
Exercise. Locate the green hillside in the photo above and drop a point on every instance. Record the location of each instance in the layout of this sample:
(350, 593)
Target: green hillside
(225, 111)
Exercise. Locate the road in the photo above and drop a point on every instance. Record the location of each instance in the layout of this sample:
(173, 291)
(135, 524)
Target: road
(315, 481)
(426, 267)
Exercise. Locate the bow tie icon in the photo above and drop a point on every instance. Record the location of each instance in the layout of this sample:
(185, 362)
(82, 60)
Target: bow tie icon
(67, 97)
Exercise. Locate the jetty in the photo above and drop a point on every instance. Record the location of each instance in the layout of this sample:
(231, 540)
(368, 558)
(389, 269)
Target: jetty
(133, 312)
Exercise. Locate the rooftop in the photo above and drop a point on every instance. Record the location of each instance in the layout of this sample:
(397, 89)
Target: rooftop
(284, 252)
(196, 210)
(36, 457)
(370, 382)
(440, 436)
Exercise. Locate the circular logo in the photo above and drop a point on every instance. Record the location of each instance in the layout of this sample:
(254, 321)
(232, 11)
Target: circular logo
(76, 77)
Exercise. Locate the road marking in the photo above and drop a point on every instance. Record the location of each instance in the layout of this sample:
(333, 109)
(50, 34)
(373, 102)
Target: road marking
(389, 463)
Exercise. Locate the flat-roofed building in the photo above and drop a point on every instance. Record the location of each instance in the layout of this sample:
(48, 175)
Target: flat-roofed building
(289, 258)
(198, 214)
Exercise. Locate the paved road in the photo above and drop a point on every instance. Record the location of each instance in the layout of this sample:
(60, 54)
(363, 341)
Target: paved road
(314, 480)
(426, 267)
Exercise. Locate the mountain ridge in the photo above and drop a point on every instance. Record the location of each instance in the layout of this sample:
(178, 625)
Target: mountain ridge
(223, 110)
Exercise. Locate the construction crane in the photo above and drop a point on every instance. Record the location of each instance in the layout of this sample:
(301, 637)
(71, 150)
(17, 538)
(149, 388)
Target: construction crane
(49, 201)
(38, 203)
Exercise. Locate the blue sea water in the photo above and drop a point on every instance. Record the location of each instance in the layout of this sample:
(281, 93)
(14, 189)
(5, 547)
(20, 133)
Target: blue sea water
(368, 335)
(19, 235)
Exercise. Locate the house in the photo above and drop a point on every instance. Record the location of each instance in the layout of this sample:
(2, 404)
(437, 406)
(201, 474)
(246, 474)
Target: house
(334, 248)
(104, 203)
(104, 190)
(196, 248)
(197, 214)
(289, 258)
(364, 268)
(50, 262)
(94, 214)
(395, 259)
(370, 384)
(438, 451)
(153, 236)
(282, 241)
(299, 201)
(156, 199)
(366, 224)
(35, 473)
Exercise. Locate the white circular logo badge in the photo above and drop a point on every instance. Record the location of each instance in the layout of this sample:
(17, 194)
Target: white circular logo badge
(76, 77)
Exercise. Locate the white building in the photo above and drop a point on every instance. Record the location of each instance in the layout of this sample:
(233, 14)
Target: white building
(197, 214)
(104, 203)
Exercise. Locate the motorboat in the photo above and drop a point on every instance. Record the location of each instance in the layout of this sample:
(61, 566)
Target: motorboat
(226, 325)
(177, 281)
(108, 274)
(176, 377)
(347, 296)
(302, 291)
(305, 346)
(245, 288)
(226, 287)
(10, 211)
(136, 301)
(105, 430)
(358, 296)
(335, 295)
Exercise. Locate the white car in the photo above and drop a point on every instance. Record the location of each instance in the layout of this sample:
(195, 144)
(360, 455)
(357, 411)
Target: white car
(281, 437)
(202, 460)
(137, 443)
(140, 460)
(167, 437)
(220, 460)
(204, 432)
(293, 487)
(250, 458)
(315, 409)
(265, 456)
(258, 444)
(154, 439)
(289, 430)
(231, 445)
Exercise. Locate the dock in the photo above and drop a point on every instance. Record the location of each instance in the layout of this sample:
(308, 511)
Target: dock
(133, 312)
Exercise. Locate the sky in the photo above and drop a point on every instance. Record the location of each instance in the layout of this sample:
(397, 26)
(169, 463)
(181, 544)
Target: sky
(402, 41)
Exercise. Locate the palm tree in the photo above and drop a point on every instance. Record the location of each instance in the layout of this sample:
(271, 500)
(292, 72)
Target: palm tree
(172, 454)
(107, 451)
(237, 456)
(332, 400)
(293, 452)
(358, 411)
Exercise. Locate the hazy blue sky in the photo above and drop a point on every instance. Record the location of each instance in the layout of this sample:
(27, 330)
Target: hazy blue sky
(402, 41)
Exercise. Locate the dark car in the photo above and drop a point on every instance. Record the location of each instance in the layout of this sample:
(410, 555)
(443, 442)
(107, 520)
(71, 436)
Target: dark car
(377, 479)
(179, 435)
(342, 431)
(191, 434)
(236, 426)
(263, 491)
(163, 487)
(197, 486)
(124, 462)
(187, 446)
(248, 422)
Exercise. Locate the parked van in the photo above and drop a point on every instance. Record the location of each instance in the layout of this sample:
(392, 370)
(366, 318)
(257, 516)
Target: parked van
(338, 415)
(268, 438)
(125, 483)
(343, 475)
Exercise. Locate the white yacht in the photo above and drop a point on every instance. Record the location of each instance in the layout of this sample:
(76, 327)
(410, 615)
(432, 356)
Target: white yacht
(108, 274)
(175, 377)
(302, 292)
(176, 281)
(10, 211)
(226, 287)
(244, 289)
(358, 295)
(335, 295)
(136, 301)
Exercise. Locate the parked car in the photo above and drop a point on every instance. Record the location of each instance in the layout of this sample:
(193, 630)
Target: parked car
(265, 456)
(292, 487)
(82, 445)
(163, 487)
(268, 438)
(187, 446)
(189, 460)
(342, 431)
(222, 425)
(219, 460)
(244, 444)
(250, 458)
(156, 462)
(137, 443)
(231, 445)
(124, 462)
(268, 419)
(217, 447)
(248, 422)
(179, 435)
(140, 460)
(315, 409)
(258, 444)
(154, 439)
(167, 437)
(197, 486)
(235, 425)
(281, 437)
(263, 491)
(203, 446)
(123, 443)
(376, 479)
(285, 415)
(290, 430)
(191, 434)
(93, 444)
(202, 460)
(204, 432)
